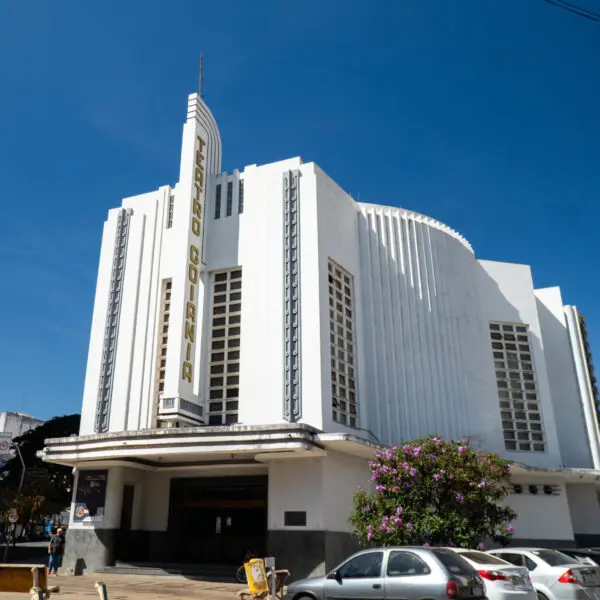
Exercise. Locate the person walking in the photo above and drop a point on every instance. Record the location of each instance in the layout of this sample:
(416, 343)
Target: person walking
(56, 550)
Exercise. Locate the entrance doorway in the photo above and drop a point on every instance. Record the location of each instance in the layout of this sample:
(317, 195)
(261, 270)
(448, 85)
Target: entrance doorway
(126, 549)
(217, 520)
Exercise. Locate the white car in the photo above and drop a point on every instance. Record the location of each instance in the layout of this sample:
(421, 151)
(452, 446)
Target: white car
(503, 581)
(555, 575)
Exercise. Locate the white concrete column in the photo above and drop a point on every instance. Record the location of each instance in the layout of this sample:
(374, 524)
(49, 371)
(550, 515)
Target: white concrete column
(114, 500)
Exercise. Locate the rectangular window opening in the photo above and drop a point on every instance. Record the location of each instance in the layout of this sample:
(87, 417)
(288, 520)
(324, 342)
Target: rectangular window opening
(218, 202)
(229, 207)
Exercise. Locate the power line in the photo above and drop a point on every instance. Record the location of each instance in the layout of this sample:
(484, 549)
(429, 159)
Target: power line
(577, 10)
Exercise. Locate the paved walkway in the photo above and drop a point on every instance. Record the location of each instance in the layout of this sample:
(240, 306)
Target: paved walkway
(138, 587)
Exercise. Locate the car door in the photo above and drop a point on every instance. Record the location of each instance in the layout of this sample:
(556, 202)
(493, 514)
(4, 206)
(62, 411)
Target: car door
(409, 577)
(359, 578)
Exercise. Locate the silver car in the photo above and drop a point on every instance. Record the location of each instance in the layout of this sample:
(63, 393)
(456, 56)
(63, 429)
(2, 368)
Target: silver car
(397, 573)
(555, 575)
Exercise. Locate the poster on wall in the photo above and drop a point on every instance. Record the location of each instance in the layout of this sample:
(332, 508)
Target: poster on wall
(90, 497)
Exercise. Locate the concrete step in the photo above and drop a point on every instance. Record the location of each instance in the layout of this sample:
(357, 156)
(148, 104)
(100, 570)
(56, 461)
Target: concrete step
(217, 573)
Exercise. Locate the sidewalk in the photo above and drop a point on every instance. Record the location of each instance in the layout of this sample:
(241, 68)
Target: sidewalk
(137, 587)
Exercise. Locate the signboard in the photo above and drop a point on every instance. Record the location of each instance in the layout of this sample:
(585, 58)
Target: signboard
(90, 496)
(5, 452)
(13, 516)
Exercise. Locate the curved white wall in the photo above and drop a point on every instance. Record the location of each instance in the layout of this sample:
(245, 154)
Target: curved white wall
(425, 351)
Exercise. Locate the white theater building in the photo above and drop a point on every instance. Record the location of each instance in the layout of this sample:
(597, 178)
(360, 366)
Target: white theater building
(256, 335)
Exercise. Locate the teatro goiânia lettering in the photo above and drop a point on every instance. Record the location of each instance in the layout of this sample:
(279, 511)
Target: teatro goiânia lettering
(193, 270)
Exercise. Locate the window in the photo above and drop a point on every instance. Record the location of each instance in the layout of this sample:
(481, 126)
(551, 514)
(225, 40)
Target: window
(516, 382)
(513, 558)
(406, 563)
(362, 566)
(241, 197)
(225, 342)
(163, 337)
(481, 558)
(170, 211)
(343, 357)
(229, 199)
(218, 202)
(553, 558)
(453, 562)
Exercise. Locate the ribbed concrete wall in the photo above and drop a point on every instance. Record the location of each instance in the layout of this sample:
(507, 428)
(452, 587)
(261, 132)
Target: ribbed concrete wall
(423, 339)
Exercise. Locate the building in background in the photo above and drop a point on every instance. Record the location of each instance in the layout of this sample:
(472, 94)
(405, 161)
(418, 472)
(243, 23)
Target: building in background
(257, 335)
(16, 423)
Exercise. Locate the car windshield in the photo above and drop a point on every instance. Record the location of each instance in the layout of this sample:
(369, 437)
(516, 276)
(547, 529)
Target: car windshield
(554, 558)
(481, 558)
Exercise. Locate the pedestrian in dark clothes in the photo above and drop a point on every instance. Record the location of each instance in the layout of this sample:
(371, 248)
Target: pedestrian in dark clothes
(56, 550)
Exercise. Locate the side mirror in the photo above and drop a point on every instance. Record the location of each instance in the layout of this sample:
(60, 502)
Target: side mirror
(334, 575)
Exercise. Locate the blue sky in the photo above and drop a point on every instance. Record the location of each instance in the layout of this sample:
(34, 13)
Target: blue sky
(483, 114)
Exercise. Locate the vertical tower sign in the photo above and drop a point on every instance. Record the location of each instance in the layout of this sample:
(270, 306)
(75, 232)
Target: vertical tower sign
(200, 163)
(193, 269)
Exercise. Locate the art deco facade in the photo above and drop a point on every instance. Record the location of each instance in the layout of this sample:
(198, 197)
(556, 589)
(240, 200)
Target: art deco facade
(245, 320)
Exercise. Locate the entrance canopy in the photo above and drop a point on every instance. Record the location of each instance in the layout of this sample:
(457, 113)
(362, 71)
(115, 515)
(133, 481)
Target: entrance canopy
(156, 448)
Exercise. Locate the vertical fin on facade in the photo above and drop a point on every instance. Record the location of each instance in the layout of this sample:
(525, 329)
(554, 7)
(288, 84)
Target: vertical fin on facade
(113, 314)
(292, 403)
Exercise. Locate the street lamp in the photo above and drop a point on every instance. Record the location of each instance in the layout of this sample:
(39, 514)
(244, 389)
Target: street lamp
(23, 468)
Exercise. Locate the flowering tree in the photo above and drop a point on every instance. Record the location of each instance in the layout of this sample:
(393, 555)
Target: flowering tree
(434, 492)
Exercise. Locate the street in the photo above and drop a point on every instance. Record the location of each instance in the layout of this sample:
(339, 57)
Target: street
(136, 587)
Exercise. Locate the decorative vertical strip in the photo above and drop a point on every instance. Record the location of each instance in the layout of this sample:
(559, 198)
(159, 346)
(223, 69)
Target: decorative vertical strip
(111, 330)
(292, 402)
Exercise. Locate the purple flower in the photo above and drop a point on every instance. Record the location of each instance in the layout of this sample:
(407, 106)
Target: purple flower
(460, 497)
(406, 448)
(412, 472)
(410, 527)
(399, 510)
(481, 484)
(380, 488)
(442, 472)
(436, 476)
(397, 520)
(461, 449)
(395, 489)
(425, 545)
(405, 466)
(481, 547)
(507, 468)
(510, 529)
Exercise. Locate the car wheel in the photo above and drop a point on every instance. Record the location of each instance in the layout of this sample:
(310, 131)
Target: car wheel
(541, 596)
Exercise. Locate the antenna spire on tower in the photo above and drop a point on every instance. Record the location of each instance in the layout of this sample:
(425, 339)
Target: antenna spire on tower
(201, 77)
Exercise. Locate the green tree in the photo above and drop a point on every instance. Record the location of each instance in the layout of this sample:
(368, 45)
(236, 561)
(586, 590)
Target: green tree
(436, 492)
(46, 487)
